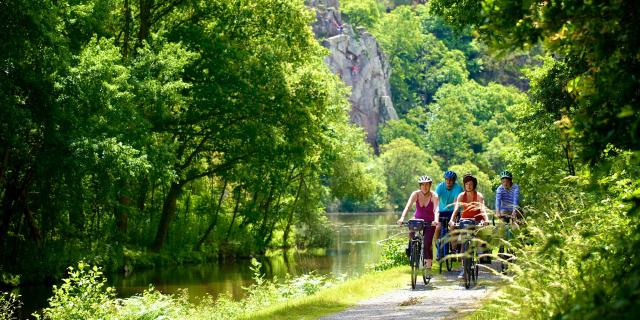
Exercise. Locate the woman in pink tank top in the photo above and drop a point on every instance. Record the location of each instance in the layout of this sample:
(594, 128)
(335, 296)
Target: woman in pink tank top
(426, 202)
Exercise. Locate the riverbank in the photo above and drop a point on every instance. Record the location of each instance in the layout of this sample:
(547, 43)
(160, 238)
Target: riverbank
(337, 298)
(85, 295)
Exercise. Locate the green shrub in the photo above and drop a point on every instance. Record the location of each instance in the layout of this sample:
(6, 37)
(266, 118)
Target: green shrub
(393, 254)
(83, 295)
(9, 303)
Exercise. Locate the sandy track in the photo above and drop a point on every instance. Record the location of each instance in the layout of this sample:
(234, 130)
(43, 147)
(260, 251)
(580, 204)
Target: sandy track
(444, 297)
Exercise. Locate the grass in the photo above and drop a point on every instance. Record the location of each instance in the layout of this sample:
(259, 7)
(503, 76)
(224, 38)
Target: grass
(337, 298)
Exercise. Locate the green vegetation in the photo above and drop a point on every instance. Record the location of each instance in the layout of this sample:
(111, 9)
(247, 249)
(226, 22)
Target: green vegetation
(148, 133)
(83, 295)
(8, 305)
(576, 144)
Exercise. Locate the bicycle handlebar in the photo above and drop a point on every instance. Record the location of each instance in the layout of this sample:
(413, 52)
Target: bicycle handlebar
(433, 223)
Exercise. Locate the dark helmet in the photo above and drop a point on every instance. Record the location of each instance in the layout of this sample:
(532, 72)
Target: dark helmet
(450, 175)
(425, 179)
(469, 177)
(506, 174)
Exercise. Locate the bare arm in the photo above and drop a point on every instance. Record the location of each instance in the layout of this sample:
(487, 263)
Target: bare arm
(410, 202)
(436, 208)
(483, 210)
(455, 209)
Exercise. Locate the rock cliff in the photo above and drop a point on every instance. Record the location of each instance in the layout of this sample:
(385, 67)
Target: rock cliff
(357, 59)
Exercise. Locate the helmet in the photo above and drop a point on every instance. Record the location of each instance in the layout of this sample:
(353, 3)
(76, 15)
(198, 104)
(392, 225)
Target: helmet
(425, 179)
(450, 175)
(506, 174)
(469, 177)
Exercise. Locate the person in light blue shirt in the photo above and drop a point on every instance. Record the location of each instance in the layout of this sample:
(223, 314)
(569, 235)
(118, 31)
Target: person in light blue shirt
(447, 191)
(507, 197)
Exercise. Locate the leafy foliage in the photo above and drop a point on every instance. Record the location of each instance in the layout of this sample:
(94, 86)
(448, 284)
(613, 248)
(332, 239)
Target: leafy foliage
(361, 13)
(85, 296)
(9, 303)
(393, 254)
(420, 62)
(120, 117)
(594, 40)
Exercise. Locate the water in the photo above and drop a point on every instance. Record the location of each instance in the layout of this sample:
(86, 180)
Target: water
(354, 248)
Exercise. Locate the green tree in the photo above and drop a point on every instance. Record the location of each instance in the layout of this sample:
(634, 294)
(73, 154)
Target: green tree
(403, 163)
(466, 117)
(595, 42)
(420, 62)
(361, 13)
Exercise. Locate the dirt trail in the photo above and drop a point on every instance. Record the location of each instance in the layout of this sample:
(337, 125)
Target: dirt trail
(444, 297)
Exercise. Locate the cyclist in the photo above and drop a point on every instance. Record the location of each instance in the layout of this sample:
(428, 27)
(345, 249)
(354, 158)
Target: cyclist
(507, 197)
(447, 192)
(472, 204)
(426, 202)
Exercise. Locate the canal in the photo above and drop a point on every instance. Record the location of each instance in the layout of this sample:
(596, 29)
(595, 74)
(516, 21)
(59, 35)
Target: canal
(355, 247)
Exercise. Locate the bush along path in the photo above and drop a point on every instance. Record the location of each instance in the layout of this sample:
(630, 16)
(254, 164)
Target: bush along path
(444, 297)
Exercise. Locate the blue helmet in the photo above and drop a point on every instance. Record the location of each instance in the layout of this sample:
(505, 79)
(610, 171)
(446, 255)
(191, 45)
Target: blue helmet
(450, 175)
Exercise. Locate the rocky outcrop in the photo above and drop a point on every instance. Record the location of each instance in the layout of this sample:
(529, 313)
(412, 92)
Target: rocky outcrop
(357, 59)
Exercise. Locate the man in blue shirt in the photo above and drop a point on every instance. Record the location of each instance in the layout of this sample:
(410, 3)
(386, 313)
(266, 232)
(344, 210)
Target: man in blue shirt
(447, 191)
(507, 197)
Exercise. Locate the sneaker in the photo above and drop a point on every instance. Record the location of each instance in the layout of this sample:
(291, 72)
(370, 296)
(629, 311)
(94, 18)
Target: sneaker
(461, 275)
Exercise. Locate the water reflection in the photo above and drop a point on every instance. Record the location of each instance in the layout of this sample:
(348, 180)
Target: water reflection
(354, 248)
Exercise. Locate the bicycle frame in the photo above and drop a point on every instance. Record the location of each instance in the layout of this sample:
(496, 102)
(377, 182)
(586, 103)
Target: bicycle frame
(470, 254)
(416, 257)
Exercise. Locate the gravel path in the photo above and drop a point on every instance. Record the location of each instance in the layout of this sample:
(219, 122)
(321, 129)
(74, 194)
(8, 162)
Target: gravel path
(444, 297)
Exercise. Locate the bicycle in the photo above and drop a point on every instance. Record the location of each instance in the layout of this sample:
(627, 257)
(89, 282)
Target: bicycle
(443, 245)
(504, 253)
(467, 228)
(416, 258)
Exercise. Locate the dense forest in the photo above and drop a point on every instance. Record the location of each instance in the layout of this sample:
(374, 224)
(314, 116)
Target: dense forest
(143, 133)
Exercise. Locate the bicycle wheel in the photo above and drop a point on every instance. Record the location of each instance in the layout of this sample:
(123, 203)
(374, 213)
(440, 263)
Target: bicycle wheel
(415, 263)
(474, 263)
(442, 255)
(426, 274)
(502, 267)
(447, 251)
(467, 261)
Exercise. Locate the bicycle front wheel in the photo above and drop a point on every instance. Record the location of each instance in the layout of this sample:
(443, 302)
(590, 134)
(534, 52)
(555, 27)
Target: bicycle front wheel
(447, 250)
(426, 275)
(415, 263)
(503, 265)
(467, 261)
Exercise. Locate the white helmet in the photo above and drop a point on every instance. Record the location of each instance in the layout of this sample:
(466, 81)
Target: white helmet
(425, 179)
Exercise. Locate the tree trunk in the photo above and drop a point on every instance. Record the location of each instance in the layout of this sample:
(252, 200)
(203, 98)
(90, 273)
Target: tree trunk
(121, 216)
(8, 210)
(145, 19)
(142, 194)
(215, 217)
(168, 213)
(233, 219)
(33, 228)
(15, 199)
(262, 233)
(127, 29)
(287, 229)
(567, 154)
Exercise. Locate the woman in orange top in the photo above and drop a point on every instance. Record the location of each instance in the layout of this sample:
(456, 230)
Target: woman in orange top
(472, 202)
